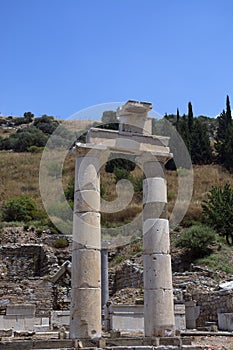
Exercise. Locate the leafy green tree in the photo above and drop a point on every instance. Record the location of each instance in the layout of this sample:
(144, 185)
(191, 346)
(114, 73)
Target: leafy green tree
(47, 124)
(218, 211)
(21, 208)
(197, 238)
(23, 139)
(28, 117)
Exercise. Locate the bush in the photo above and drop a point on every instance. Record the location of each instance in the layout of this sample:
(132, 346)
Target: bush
(60, 243)
(23, 139)
(46, 124)
(121, 163)
(21, 208)
(137, 182)
(218, 211)
(121, 173)
(35, 149)
(197, 239)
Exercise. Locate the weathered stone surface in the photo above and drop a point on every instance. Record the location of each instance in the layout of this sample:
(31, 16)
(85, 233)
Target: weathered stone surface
(86, 201)
(157, 271)
(154, 210)
(21, 310)
(156, 237)
(86, 268)
(133, 118)
(85, 313)
(87, 173)
(86, 230)
(60, 319)
(153, 168)
(154, 190)
(159, 312)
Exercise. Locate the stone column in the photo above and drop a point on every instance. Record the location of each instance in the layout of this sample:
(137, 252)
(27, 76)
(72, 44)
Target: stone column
(104, 277)
(85, 311)
(158, 295)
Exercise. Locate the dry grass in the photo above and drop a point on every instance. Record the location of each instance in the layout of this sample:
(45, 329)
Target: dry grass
(205, 176)
(20, 175)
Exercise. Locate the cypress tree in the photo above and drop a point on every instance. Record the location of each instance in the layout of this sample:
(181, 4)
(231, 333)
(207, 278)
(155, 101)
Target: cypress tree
(177, 119)
(201, 152)
(190, 117)
(223, 145)
(228, 110)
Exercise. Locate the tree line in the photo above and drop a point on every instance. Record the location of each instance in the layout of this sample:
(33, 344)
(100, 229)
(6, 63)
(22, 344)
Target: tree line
(208, 140)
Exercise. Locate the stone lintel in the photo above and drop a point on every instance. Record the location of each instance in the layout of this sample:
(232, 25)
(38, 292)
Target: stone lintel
(132, 106)
(96, 134)
(124, 146)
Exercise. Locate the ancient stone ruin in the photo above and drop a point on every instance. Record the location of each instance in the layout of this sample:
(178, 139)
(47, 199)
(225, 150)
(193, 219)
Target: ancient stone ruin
(133, 137)
(46, 302)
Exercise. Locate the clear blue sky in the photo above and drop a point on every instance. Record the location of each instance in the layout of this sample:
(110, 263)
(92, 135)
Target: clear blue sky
(60, 56)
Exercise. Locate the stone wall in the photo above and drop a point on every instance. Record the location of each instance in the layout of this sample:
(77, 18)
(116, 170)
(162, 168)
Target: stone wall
(126, 275)
(211, 304)
(197, 286)
(25, 270)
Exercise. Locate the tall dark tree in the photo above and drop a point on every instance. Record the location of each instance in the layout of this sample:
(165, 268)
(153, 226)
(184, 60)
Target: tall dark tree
(190, 116)
(228, 110)
(201, 152)
(184, 132)
(177, 119)
(224, 135)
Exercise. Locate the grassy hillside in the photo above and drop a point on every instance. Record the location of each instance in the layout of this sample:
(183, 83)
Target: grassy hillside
(20, 175)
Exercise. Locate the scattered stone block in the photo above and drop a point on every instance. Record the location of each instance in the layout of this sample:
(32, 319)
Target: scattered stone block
(6, 333)
(21, 310)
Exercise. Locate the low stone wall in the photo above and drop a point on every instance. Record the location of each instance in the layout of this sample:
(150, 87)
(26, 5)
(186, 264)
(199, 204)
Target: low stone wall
(21, 317)
(211, 304)
(130, 318)
(24, 277)
(36, 291)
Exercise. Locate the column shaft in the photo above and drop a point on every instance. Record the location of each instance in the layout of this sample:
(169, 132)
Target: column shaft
(158, 295)
(104, 277)
(85, 312)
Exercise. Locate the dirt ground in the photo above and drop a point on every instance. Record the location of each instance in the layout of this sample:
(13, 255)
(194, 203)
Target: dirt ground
(214, 342)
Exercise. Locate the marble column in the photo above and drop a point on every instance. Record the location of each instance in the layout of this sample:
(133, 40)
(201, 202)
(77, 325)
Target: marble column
(85, 312)
(104, 277)
(158, 295)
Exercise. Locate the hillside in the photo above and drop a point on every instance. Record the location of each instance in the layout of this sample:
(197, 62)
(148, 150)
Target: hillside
(20, 175)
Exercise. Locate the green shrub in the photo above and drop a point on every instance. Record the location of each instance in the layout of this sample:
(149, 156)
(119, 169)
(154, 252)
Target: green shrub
(69, 191)
(182, 171)
(60, 243)
(218, 211)
(35, 149)
(121, 173)
(197, 239)
(171, 195)
(121, 163)
(137, 183)
(21, 208)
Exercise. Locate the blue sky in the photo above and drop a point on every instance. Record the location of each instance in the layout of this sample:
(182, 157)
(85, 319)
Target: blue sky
(60, 56)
